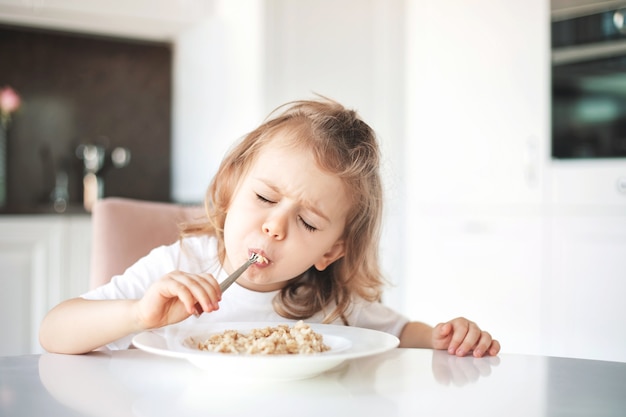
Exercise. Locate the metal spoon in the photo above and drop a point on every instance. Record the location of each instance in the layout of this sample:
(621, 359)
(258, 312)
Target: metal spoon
(233, 277)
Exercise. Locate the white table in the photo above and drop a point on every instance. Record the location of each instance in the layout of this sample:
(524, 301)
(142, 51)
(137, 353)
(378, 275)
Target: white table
(402, 382)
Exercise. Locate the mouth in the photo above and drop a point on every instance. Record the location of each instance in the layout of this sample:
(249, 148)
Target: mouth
(259, 258)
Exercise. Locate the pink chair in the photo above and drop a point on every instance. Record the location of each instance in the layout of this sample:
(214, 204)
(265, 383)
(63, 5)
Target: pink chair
(124, 230)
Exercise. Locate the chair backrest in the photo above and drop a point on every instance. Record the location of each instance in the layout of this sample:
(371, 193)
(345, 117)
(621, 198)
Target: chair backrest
(124, 230)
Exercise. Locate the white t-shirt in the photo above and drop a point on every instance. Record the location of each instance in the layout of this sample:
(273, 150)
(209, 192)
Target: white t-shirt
(199, 254)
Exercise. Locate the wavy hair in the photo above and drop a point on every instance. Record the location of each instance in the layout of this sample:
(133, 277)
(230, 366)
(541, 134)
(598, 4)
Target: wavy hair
(342, 145)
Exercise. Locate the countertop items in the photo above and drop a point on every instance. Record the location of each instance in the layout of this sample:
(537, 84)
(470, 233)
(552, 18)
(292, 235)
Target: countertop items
(400, 382)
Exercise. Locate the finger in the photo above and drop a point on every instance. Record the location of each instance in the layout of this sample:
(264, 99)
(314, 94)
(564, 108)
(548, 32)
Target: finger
(467, 341)
(188, 290)
(441, 336)
(207, 292)
(444, 329)
(177, 289)
(483, 345)
(441, 331)
(494, 349)
(460, 329)
(204, 290)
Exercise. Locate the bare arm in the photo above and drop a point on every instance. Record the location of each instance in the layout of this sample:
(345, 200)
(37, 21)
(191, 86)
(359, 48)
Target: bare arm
(416, 335)
(458, 336)
(79, 326)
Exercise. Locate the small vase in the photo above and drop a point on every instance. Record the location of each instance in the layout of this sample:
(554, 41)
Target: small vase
(3, 166)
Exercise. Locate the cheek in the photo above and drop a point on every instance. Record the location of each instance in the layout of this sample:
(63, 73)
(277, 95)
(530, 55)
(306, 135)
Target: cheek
(233, 225)
(240, 208)
(239, 223)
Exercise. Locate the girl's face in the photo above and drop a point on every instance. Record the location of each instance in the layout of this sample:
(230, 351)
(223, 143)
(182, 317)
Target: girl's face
(290, 212)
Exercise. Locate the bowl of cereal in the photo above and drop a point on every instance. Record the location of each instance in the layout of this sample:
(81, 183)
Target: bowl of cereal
(266, 351)
(280, 339)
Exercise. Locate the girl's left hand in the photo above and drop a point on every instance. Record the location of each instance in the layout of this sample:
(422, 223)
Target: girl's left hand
(461, 337)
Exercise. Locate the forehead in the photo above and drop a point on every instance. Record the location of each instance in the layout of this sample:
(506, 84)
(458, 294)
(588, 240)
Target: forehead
(293, 170)
(291, 164)
(281, 148)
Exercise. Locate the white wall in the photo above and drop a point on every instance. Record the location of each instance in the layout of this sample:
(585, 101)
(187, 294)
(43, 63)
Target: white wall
(218, 80)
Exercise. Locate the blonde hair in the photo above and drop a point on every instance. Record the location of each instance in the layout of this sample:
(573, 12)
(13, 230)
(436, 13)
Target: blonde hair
(344, 145)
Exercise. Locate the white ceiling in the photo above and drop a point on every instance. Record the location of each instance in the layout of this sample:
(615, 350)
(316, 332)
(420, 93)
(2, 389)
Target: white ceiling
(143, 19)
(163, 19)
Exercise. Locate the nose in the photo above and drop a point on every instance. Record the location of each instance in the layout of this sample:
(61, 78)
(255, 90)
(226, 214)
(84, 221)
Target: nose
(275, 226)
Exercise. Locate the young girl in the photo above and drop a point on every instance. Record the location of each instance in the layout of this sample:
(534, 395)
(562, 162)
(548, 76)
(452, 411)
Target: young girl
(303, 191)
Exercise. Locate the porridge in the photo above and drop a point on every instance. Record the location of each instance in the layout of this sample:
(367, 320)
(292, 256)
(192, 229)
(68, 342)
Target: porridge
(278, 340)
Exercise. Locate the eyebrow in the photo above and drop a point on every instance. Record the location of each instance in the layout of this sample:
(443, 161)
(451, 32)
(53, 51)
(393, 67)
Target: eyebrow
(307, 205)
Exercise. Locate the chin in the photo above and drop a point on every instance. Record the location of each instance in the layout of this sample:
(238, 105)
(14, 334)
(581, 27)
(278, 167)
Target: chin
(262, 286)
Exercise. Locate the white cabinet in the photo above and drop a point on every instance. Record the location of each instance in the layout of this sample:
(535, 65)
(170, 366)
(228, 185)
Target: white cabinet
(484, 266)
(477, 102)
(43, 260)
(586, 243)
(585, 296)
(477, 112)
(589, 184)
(532, 249)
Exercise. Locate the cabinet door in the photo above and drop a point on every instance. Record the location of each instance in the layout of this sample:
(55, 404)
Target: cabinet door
(31, 253)
(477, 101)
(586, 312)
(43, 261)
(597, 185)
(487, 268)
(477, 129)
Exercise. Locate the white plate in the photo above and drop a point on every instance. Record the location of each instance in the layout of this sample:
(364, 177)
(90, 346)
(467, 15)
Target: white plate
(346, 343)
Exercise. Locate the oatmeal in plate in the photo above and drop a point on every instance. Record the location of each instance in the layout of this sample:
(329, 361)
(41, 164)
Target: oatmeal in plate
(272, 340)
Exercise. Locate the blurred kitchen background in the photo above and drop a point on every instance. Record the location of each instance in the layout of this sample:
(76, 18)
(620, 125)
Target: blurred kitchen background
(504, 162)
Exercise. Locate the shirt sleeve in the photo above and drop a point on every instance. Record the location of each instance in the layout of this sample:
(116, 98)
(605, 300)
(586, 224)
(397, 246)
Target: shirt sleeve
(377, 316)
(134, 282)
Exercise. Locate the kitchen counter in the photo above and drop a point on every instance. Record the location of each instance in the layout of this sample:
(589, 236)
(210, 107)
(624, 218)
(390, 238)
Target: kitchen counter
(401, 382)
(47, 209)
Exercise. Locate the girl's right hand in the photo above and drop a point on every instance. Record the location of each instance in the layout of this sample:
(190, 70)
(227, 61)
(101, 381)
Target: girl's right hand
(175, 297)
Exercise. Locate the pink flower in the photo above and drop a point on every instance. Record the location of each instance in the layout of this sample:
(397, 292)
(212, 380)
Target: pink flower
(9, 102)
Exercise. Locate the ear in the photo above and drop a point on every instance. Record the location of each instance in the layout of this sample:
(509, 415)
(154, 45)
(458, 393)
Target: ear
(334, 253)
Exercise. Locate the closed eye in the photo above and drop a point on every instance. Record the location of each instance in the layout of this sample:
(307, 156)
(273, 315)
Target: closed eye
(306, 225)
(263, 199)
